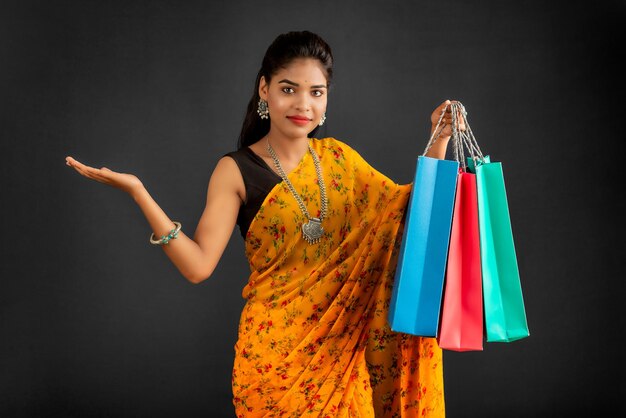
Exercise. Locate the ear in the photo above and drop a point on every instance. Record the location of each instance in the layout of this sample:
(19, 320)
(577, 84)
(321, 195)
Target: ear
(263, 88)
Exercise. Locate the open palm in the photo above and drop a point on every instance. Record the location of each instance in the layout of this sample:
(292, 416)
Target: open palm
(123, 181)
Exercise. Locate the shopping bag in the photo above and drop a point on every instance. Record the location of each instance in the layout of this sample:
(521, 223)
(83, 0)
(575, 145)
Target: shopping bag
(418, 283)
(505, 314)
(461, 327)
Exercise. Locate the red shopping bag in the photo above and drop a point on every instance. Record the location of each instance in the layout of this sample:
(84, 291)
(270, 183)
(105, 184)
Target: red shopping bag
(461, 326)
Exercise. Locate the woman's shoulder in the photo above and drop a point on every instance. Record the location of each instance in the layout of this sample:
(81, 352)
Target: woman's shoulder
(330, 140)
(334, 144)
(340, 153)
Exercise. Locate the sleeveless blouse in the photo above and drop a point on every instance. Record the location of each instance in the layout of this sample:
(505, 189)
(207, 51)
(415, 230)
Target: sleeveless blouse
(259, 180)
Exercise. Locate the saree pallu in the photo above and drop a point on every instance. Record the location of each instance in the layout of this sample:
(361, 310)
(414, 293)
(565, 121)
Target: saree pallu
(313, 336)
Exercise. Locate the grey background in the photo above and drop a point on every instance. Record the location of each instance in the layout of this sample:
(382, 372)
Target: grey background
(95, 322)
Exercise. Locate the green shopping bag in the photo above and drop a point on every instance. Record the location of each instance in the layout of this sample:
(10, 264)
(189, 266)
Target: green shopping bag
(505, 315)
(504, 312)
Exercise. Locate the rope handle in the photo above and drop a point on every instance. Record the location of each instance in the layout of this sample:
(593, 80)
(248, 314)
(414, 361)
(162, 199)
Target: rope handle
(464, 139)
(461, 140)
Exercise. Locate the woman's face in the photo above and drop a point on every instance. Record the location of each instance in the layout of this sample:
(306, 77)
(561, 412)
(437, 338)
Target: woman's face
(296, 97)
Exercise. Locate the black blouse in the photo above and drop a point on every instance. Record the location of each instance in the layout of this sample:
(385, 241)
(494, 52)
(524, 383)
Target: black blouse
(259, 180)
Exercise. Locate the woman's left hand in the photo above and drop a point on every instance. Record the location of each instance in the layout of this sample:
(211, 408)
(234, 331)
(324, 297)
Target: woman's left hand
(446, 122)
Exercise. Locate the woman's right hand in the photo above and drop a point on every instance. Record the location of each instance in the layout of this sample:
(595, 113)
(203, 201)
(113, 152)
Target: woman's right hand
(128, 183)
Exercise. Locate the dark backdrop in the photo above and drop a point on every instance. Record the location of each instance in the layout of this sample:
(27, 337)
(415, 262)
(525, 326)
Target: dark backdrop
(95, 321)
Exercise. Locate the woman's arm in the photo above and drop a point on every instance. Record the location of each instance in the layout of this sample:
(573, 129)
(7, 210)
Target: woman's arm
(225, 195)
(195, 259)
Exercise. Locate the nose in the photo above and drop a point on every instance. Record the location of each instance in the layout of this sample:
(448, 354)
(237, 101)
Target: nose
(303, 101)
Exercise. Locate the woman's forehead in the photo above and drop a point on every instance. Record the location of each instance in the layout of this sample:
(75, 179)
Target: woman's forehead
(302, 70)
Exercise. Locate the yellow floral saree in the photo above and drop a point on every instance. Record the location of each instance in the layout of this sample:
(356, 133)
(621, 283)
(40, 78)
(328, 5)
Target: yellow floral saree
(313, 335)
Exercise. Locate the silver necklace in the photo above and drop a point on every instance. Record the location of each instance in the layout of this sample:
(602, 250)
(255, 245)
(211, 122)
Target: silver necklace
(311, 231)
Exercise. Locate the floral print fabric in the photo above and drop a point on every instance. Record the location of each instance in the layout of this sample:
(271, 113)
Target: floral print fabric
(313, 336)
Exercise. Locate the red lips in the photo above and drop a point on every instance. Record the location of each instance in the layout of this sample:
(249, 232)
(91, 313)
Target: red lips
(299, 120)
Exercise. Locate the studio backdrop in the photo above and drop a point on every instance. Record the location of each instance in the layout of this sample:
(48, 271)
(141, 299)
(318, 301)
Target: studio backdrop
(95, 321)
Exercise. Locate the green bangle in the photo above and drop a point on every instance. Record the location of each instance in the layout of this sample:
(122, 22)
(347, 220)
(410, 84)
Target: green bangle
(165, 239)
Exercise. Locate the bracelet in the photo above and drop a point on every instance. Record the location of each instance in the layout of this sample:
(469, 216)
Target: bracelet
(166, 238)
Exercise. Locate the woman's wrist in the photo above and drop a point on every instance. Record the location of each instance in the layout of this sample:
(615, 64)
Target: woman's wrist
(439, 148)
(445, 134)
(137, 192)
(442, 140)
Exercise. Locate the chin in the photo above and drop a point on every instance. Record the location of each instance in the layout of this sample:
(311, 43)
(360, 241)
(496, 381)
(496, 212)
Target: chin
(298, 132)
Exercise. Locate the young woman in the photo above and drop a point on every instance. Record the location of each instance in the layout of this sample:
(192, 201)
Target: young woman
(322, 229)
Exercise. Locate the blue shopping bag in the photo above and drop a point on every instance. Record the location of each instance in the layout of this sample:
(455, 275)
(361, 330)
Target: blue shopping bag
(418, 284)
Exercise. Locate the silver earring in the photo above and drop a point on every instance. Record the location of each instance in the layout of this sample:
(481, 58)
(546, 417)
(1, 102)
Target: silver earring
(323, 119)
(262, 110)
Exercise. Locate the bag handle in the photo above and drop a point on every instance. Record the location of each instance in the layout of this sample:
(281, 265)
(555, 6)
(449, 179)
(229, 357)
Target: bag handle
(464, 139)
(460, 139)
(457, 137)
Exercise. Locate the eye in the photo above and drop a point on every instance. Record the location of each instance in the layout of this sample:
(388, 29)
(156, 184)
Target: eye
(287, 88)
(317, 93)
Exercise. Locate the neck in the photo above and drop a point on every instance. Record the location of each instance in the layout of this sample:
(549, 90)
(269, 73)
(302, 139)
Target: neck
(287, 149)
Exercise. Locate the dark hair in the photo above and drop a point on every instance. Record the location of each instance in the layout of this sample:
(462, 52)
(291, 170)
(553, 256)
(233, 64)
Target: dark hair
(281, 52)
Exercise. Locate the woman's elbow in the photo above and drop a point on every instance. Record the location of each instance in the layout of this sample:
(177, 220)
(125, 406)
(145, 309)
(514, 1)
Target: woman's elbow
(197, 279)
(193, 280)
(199, 276)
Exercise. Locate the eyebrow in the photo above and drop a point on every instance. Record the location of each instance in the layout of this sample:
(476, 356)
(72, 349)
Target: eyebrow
(297, 85)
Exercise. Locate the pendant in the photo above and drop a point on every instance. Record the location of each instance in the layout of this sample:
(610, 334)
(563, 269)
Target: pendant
(312, 231)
